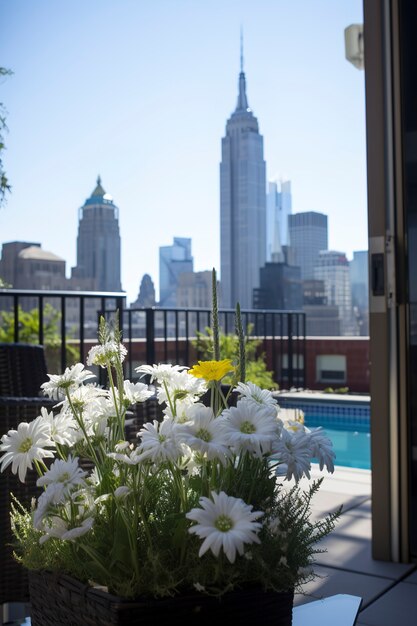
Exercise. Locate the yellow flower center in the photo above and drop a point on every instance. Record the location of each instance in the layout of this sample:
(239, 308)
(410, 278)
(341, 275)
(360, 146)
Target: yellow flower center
(223, 523)
(203, 434)
(26, 445)
(180, 394)
(247, 427)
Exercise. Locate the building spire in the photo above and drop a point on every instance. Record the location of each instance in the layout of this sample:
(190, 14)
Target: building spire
(242, 101)
(241, 50)
(98, 191)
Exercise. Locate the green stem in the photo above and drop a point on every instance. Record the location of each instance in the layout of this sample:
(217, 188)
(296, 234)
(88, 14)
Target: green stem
(171, 406)
(79, 420)
(242, 352)
(119, 434)
(215, 318)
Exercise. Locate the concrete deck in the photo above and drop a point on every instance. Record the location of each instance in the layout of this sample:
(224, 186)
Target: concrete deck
(388, 590)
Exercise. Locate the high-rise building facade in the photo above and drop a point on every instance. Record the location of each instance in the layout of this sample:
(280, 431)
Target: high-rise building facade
(333, 268)
(278, 208)
(146, 295)
(308, 236)
(195, 290)
(360, 289)
(242, 204)
(98, 242)
(173, 261)
(25, 265)
(280, 287)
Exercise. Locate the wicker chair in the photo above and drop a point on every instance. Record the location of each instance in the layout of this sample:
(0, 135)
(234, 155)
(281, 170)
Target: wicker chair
(22, 371)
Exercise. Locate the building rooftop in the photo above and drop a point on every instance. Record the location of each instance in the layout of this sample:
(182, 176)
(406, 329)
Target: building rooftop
(35, 252)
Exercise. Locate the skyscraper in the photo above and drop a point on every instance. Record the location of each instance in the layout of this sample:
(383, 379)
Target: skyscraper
(360, 289)
(280, 287)
(173, 261)
(242, 204)
(278, 208)
(333, 268)
(308, 236)
(98, 242)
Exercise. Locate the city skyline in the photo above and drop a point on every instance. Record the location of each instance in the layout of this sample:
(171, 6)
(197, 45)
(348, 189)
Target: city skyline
(114, 89)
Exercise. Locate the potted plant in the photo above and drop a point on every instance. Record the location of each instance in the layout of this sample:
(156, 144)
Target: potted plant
(201, 513)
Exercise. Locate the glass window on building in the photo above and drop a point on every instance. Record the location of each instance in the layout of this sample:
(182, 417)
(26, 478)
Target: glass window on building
(331, 368)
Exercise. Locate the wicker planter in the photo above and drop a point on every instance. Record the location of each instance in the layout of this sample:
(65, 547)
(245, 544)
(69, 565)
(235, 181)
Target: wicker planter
(62, 600)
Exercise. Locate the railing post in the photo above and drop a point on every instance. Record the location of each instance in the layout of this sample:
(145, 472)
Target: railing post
(63, 335)
(290, 351)
(150, 336)
(16, 318)
(40, 331)
(304, 350)
(82, 329)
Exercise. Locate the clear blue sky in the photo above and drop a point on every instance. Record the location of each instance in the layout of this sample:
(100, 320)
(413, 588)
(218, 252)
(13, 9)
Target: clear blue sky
(139, 92)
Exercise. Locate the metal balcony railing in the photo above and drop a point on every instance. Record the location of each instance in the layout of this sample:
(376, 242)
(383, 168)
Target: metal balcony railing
(77, 312)
(153, 335)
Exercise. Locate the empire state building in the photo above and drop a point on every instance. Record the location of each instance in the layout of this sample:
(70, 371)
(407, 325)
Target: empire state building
(242, 204)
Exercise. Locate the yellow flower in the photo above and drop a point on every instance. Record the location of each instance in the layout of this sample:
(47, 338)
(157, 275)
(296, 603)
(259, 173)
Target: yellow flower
(212, 370)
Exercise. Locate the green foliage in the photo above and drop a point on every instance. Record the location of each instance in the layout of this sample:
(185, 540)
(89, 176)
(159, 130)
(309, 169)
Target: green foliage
(256, 370)
(341, 390)
(4, 182)
(29, 331)
(282, 560)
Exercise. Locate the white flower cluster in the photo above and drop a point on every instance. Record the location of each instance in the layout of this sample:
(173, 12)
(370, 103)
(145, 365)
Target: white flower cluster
(190, 435)
(253, 425)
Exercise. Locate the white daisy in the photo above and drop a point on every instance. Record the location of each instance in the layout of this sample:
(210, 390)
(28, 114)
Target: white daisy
(255, 394)
(86, 397)
(46, 504)
(55, 527)
(293, 450)
(107, 353)
(295, 427)
(159, 442)
(251, 428)
(63, 428)
(72, 377)
(78, 531)
(65, 474)
(182, 410)
(225, 522)
(125, 452)
(322, 449)
(161, 372)
(122, 492)
(203, 433)
(26, 444)
(136, 392)
(180, 386)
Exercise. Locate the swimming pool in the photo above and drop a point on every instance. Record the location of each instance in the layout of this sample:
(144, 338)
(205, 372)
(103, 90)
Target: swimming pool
(346, 422)
(352, 447)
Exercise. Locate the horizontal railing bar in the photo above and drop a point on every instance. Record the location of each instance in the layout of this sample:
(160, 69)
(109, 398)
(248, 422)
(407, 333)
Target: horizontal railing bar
(58, 293)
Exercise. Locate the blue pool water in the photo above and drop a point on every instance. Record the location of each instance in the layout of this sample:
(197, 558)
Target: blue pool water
(352, 447)
(346, 423)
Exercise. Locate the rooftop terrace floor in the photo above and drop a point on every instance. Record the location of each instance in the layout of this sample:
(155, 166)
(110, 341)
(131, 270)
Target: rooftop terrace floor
(388, 590)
